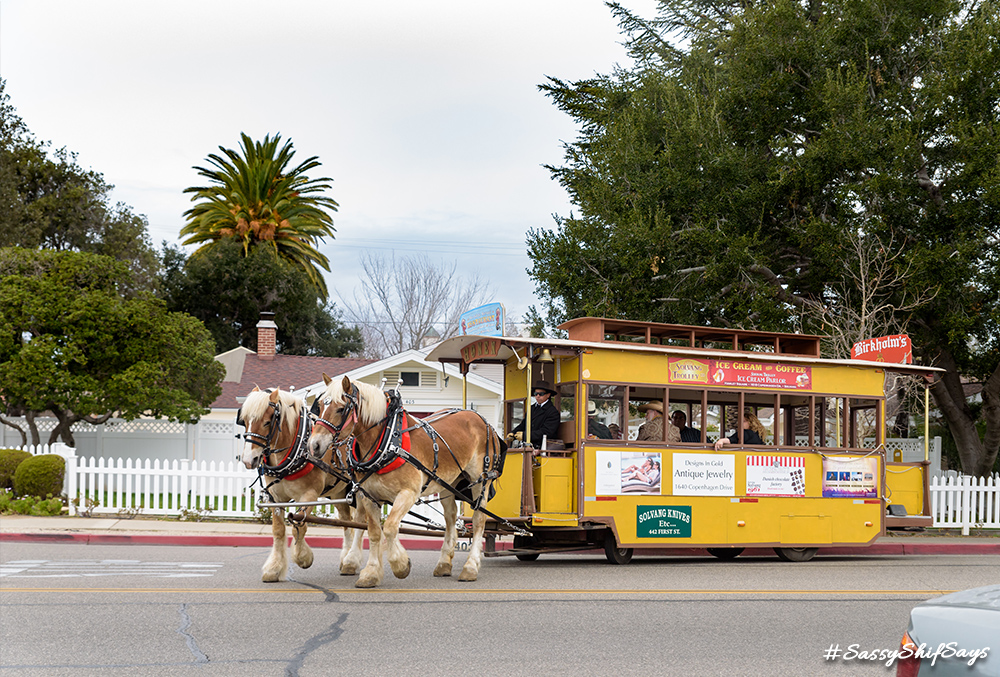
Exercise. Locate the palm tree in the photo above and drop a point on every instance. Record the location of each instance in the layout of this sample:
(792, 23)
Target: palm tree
(256, 197)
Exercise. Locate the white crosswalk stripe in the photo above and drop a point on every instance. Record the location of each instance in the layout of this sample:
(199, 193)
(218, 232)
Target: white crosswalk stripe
(108, 567)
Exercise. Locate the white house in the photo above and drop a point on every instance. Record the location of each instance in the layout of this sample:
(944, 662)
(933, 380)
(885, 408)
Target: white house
(427, 387)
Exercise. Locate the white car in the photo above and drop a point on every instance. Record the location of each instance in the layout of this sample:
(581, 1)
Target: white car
(957, 634)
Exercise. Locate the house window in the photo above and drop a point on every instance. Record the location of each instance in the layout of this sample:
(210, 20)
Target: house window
(411, 379)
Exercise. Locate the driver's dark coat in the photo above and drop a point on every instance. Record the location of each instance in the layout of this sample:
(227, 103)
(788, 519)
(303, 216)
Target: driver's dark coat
(544, 421)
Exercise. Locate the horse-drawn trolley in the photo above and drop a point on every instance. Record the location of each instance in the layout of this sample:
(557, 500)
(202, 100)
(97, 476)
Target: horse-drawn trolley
(674, 436)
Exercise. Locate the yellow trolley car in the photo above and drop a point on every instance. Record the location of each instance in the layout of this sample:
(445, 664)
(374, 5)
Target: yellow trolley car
(820, 478)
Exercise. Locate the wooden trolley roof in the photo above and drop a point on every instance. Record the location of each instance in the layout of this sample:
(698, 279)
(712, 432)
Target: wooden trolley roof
(605, 330)
(591, 333)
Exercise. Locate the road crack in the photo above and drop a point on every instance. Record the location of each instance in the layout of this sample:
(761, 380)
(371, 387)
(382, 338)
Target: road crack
(192, 645)
(313, 643)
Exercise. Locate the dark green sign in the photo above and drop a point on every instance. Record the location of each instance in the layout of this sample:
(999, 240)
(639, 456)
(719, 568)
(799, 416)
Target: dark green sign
(663, 521)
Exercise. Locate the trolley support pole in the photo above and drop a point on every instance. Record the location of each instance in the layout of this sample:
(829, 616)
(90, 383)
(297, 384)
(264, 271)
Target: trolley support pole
(527, 405)
(927, 422)
(465, 385)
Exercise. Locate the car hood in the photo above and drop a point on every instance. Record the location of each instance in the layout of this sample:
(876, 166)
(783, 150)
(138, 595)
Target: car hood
(987, 597)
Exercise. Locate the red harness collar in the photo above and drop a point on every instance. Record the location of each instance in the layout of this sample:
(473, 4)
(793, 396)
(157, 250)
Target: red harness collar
(404, 444)
(306, 469)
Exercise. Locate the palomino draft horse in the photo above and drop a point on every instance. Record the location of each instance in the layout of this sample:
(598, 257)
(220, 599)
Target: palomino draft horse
(458, 445)
(277, 426)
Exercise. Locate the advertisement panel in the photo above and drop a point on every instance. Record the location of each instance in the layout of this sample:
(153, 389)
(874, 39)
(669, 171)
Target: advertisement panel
(776, 476)
(847, 477)
(704, 475)
(739, 373)
(620, 473)
(663, 521)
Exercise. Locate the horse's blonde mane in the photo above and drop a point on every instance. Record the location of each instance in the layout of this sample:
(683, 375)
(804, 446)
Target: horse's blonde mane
(372, 399)
(256, 403)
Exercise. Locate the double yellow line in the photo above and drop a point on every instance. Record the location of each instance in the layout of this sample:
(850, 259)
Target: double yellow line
(479, 591)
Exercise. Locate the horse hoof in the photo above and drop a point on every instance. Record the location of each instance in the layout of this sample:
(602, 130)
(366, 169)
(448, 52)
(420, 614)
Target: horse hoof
(442, 570)
(365, 583)
(468, 575)
(272, 578)
(348, 570)
(403, 573)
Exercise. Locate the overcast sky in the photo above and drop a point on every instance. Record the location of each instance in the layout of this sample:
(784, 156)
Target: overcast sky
(426, 114)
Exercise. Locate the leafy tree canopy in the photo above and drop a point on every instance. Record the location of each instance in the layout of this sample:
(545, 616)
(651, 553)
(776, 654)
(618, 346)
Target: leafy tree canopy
(732, 175)
(73, 345)
(47, 200)
(228, 291)
(258, 198)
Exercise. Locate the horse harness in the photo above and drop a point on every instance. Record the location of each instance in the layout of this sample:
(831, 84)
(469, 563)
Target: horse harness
(391, 451)
(297, 461)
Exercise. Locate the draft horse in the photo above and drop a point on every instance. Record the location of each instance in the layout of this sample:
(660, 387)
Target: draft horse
(276, 439)
(457, 451)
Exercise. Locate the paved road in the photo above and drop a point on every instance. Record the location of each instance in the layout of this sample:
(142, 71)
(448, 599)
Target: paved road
(123, 610)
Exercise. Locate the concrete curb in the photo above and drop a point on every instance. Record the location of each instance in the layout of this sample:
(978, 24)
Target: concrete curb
(222, 541)
(909, 547)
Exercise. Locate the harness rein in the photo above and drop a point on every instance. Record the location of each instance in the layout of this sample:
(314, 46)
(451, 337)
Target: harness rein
(391, 450)
(297, 461)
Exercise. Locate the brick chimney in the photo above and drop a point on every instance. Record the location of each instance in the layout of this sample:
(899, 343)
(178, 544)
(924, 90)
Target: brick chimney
(266, 332)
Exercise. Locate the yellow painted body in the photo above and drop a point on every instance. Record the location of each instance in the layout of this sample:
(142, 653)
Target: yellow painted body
(565, 487)
(905, 485)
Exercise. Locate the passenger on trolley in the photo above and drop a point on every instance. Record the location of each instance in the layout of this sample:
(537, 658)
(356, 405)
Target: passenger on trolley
(753, 432)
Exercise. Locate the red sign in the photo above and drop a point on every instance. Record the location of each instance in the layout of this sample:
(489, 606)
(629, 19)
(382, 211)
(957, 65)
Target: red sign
(481, 349)
(740, 373)
(897, 348)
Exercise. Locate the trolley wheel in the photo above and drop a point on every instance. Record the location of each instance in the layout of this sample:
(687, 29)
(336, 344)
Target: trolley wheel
(796, 554)
(524, 542)
(726, 553)
(615, 554)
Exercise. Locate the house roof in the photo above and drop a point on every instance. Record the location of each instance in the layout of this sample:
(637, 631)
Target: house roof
(370, 367)
(285, 371)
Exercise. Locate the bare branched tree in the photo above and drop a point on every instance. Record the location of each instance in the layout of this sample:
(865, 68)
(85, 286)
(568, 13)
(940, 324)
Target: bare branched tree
(870, 302)
(403, 301)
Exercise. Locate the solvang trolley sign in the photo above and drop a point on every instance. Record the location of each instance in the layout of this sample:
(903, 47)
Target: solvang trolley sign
(820, 478)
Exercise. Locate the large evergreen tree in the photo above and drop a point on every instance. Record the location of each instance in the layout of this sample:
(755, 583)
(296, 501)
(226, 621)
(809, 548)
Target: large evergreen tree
(732, 175)
(227, 291)
(48, 201)
(73, 345)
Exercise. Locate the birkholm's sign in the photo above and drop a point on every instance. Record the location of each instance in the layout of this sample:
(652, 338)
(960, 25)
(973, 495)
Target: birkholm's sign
(896, 348)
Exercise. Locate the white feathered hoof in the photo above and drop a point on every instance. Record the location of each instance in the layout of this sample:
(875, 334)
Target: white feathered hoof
(468, 574)
(402, 572)
(274, 576)
(367, 580)
(443, 569)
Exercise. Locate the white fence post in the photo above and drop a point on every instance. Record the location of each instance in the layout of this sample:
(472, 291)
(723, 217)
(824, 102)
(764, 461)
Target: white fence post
(964, 501)
(70, 480)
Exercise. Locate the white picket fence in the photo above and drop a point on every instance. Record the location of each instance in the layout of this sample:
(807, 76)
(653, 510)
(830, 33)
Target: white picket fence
(129, 487)
(966, 502)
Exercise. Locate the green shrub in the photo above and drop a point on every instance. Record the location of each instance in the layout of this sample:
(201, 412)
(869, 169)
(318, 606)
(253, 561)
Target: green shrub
(9, 460)
(29, 505)
(40, 476)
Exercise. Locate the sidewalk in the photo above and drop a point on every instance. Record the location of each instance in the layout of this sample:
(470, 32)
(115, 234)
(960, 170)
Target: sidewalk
(114, 531)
